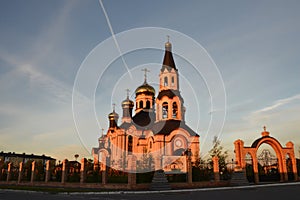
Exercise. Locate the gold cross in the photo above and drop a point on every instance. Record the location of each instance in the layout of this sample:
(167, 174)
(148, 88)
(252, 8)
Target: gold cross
(127, 91)
(145, 75)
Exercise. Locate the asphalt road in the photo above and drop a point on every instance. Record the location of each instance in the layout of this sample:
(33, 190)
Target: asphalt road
(270, 192)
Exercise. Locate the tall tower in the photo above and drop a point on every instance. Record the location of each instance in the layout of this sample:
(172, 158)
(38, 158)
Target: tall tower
(169, 103)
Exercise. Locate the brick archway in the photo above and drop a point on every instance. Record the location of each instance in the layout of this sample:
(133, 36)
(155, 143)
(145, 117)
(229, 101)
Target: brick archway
(281, 152)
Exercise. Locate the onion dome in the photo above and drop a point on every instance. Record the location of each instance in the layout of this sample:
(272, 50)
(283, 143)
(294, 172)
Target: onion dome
(127, 103)
(113, 119)
(146, 89)
(113, 115)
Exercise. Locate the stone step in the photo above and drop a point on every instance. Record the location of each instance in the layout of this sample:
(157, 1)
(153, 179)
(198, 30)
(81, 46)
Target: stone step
(160, 181)
(239, 178)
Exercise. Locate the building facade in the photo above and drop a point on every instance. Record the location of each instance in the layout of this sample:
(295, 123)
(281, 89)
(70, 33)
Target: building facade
(156, 132)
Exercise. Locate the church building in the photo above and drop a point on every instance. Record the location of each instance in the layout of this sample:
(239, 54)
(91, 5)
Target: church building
(151, 127)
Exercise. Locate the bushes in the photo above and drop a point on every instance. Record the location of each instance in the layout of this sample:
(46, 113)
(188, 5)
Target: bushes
(144, 177)
(201, 174)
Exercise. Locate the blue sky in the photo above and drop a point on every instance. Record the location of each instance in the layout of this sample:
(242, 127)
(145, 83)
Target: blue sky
(255, 45)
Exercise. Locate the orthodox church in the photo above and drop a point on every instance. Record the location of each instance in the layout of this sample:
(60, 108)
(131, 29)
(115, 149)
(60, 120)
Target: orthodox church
(156, 129)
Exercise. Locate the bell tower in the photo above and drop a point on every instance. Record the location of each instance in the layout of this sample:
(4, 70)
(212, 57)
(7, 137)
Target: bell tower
(169, 101)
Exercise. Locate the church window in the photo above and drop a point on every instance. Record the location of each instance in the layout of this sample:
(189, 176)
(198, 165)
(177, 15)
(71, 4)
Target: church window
(147, 104)
(141, 104)
(150, 146)
(166, 81)
(174, 110)
(165, 110)
(172, 81)
(129, 144)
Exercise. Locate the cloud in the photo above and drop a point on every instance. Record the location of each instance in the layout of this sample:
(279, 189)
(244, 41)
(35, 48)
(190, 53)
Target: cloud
(277, 104)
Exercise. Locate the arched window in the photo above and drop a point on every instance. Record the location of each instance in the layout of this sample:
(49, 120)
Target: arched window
(166, 81)
(129, 144)
(165, 110)
(174, 110)
(172, 81)
(141, 104)
(147, 104)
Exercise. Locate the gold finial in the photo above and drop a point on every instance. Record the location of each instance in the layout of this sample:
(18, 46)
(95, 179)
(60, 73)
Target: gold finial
(145, 74)
(168, 45)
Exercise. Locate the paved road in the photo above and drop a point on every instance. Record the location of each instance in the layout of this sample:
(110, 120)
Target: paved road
(270, 192)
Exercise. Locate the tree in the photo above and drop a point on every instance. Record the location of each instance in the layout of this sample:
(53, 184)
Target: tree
(217, 150)
(76, 156)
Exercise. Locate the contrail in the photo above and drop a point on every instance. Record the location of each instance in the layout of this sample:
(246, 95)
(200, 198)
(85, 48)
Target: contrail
(114, 38)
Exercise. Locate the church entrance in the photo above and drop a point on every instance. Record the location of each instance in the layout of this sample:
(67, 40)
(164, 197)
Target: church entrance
(272, 163)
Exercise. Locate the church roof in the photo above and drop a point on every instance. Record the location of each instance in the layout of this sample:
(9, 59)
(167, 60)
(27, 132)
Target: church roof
(166, 127)
(144, 119)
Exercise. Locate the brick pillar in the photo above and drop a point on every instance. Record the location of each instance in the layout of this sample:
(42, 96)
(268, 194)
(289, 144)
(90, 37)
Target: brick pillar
(131, 159)
(215, 160)
(83, 170)
(20, 177)
(104, 171)
(64, 171)
(48, 173)
(255, 170)
(8, 172)
(32, 171)
(189, 170)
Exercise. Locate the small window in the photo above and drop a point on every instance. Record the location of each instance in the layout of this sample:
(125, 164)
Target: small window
(165, 110)
(173, 81)
(148, 104)
(129, 144)
(150, 146)
(141, 104)
(166, 81)
(174, 110)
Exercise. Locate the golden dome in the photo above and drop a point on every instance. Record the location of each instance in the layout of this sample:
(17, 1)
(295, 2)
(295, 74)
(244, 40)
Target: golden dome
(127, 102)
(168, 45)
(113, 115)
(145, 88)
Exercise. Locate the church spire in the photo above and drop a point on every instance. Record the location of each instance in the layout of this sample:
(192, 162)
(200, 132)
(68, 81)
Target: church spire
(168, 58)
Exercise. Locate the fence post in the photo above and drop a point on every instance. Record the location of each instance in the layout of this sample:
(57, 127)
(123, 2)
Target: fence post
(132, 171)
(83, 170)
(216, 168)
(8, 172)
(32, 171)
(64, 171)
(47, 176)
(20, 177)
